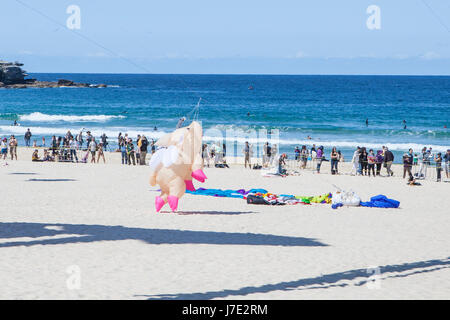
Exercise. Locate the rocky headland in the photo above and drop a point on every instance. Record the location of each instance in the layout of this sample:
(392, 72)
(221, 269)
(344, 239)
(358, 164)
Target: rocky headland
(12, 76)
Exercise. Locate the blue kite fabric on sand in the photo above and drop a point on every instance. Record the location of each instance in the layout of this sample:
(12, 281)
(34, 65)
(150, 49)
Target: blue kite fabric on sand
(241, 193)
(381, 201)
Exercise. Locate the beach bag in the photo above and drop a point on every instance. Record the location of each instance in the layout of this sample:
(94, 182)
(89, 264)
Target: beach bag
(252, 199)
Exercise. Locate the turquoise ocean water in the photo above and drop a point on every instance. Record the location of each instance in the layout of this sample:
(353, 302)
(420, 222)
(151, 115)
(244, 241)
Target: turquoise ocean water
(332, 110)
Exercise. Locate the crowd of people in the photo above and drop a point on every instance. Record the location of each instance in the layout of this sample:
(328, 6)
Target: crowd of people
(364, 162)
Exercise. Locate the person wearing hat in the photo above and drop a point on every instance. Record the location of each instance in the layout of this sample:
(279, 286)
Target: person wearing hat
(407, 164)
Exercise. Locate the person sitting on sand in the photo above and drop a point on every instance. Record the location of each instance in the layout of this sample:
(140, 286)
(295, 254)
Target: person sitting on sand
(35, 156)
(281, 163)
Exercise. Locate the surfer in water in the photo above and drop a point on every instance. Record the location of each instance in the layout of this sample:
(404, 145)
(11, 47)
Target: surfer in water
(180, 122)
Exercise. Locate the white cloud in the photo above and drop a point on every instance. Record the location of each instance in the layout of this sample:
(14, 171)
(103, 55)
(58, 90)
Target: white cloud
(430, 55)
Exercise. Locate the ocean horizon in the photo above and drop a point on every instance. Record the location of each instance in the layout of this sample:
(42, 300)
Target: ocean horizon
(330, 109)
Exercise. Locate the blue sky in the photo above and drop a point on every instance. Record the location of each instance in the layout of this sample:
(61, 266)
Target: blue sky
(210, 36)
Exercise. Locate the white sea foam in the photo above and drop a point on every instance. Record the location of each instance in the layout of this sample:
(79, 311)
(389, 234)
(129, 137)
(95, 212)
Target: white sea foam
(112, 133)
(42, 117)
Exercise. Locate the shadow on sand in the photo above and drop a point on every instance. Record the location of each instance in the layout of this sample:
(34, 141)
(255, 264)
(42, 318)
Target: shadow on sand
(51, 180)
(358, 276)
(80, 233)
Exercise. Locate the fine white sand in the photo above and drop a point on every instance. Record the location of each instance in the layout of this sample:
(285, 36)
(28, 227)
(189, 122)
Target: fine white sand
(63, 222)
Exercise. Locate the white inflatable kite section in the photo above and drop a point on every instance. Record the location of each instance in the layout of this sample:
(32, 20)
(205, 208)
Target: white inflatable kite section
(166, 156)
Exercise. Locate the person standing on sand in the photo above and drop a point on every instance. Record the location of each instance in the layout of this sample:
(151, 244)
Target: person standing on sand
(4, 148)
(319, 157)
(123, 151)
(130, 152)
(27, 137)
(80, 139)
(438, 160)
(205, 154)
(334, 156)
(143, 147)
(407, 164)
(371, 160)
(447, 163)
(92, 148)
(138, 149)
(425, 161)
(303, 157)
(246, 152)
(100, 153)
(388, 159)
(363, 161)
(73, 146)
(13, 147)
(379, 161)
(355, 162)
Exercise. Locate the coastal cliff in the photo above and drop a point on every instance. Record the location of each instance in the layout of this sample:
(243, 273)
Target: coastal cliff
(12, 76)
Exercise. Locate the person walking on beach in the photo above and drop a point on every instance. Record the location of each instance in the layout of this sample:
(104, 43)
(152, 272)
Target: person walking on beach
(246, 152)
(438, 161)
(4, 148)
(27, 137)
(319, 158)
(130, 152)
(144, 148)
(371, 160)
(92, 148)
(100, 153)
(388, 159)
(13, 147)
(334, 156)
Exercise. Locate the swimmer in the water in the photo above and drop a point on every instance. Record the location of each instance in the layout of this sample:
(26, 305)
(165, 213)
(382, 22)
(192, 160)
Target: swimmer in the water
(155, 128)
(308, 137)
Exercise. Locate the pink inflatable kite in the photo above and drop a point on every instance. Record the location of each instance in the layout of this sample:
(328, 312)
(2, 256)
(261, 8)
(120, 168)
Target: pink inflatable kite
(177, 160)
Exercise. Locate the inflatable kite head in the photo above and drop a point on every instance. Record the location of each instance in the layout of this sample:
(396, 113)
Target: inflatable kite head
(177, 160)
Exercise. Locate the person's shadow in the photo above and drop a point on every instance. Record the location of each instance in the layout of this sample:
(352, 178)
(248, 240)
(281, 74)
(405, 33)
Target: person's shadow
(80, 233)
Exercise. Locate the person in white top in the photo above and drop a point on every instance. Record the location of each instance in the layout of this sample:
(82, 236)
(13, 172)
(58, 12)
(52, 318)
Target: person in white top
(73, 145)
(93, 149)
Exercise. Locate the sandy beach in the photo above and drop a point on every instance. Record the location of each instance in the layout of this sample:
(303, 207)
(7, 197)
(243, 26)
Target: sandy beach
(90, 231)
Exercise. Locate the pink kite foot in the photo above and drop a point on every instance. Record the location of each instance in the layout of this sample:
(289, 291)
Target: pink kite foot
(199, 175)
(173, 202)
(159, 203)
(189, 185)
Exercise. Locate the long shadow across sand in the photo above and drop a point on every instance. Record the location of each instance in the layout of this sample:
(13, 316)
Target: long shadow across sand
(80, 233)
(359, 276)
